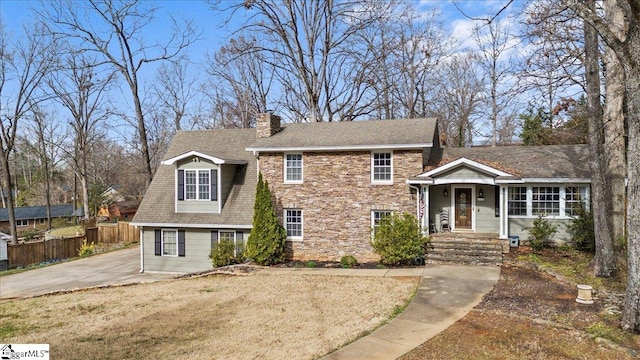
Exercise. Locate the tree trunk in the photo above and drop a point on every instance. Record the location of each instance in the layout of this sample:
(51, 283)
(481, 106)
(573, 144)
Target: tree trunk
(6, 177)
(605, 260)
(631, 314)
(144, 143)
(614, 125)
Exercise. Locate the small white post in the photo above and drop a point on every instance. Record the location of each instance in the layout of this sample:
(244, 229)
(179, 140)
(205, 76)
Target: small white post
(584, 294)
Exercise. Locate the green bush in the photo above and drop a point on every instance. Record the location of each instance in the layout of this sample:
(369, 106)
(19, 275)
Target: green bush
(266, 244)
(86, 249)
(348, 261)
(399, 240)
(582, 230)
(311, 264)
(225, 252)
(540, 232)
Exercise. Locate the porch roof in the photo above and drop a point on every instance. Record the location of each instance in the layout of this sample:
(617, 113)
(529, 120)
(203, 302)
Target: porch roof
(510, 164)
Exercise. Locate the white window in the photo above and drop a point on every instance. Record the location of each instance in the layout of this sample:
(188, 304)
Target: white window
(236, 238)
(575, 198)
(293, 168)
(293, 223)
(518, 201)
(22, 222)
(382, 167)
(169, 243)
(42, 221)
(557, 201)
(545, 200)
(376, 217)
(197, 185)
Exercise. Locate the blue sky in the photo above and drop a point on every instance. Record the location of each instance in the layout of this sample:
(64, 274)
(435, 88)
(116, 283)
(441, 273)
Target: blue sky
(15, 13)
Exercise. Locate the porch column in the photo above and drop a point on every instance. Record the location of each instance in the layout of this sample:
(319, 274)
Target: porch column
(504, 212)
(424, 200)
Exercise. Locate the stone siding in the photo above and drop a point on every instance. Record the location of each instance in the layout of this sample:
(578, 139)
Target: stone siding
(337, 198)
(267, 124)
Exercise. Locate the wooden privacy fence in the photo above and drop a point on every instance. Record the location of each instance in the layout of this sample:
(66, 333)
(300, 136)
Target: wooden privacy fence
(36, 252)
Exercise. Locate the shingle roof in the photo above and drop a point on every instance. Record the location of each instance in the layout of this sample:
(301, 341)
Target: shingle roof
(158, 204)
(548, 161)
(351, 134)
(37, 212)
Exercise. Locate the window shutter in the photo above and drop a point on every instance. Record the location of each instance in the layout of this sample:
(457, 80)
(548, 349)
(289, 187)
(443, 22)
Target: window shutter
(214, 185)
(214, 238)
(180, 242)
(180, 185)
(158, 238)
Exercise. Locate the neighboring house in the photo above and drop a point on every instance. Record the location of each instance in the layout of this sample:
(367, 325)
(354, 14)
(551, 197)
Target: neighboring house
(122, 210)
(30, 217)
(333, 182)
(112, 193)
(4, 259)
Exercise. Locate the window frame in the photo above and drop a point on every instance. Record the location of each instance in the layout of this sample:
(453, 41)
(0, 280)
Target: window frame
(22, 223)
(375, 220)
(518, 201)
(563, 212)
(582, 198)
(374, 167)
(197, 185)
(286, 222)
(288, 168)
(162, 242)
(544, 199)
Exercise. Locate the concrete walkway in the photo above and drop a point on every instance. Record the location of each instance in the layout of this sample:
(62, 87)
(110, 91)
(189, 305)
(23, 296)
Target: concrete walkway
(446, 293)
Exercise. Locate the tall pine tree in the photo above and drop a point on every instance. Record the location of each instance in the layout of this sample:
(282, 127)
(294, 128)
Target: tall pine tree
(265, 245)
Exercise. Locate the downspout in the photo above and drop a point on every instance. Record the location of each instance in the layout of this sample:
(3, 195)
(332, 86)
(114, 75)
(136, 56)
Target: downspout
(418, 189)
(142, 249)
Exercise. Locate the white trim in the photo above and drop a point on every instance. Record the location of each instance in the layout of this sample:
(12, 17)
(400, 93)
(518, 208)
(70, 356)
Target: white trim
(487, 181)
(561, 202)
(174, 159)
(381, 182)
(557, 180)
(197, 184)
(464, 161)
(284, 158)
(342, 147)
(162, 242)
(193, 226)
(425, 182)
(218, 188)
(284, 222)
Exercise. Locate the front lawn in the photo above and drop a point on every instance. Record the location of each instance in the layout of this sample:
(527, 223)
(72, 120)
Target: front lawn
(217, 317)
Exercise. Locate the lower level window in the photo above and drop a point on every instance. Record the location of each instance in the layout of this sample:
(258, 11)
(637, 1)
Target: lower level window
(545, 200)
(170, 242)
(293, 223)
(376, 218)
(22, 222)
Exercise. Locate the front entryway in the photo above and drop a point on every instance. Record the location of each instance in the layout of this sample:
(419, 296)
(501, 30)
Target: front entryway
(463, 207)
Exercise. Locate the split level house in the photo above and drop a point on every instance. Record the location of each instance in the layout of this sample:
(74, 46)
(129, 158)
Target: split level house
(333, 182)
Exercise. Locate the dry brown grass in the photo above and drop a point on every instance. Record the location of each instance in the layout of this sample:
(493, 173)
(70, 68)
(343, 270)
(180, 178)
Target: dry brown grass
(231, 317)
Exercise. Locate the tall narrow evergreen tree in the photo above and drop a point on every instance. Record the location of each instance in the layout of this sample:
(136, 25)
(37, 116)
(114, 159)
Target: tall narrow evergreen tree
(265, 245)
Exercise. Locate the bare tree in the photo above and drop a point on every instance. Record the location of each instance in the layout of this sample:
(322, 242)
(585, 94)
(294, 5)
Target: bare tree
(554, 61)
(114, 30)
(23, 66)
(240, 83)
(614, 127)
(81, 91)
(625, 43)
(495, 43)
(459, 98)
(174, 89)
(305, 41)
(605, 260)
(47, 148)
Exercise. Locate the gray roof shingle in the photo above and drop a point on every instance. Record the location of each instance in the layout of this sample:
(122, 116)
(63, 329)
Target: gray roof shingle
(350, 134)
(158, 204)
(548, 161)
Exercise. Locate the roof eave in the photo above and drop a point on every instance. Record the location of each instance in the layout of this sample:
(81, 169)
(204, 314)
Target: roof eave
(342, 147)
(190, 226)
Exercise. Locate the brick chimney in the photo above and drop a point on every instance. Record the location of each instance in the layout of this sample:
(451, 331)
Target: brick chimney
(267, 124)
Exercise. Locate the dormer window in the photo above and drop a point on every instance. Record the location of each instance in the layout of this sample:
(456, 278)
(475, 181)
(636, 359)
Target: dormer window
(198, 185)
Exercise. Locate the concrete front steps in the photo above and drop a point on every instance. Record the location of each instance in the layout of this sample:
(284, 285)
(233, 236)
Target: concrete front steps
(465, 248)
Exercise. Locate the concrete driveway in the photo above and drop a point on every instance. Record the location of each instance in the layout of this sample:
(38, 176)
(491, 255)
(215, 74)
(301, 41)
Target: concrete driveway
(117, 267)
